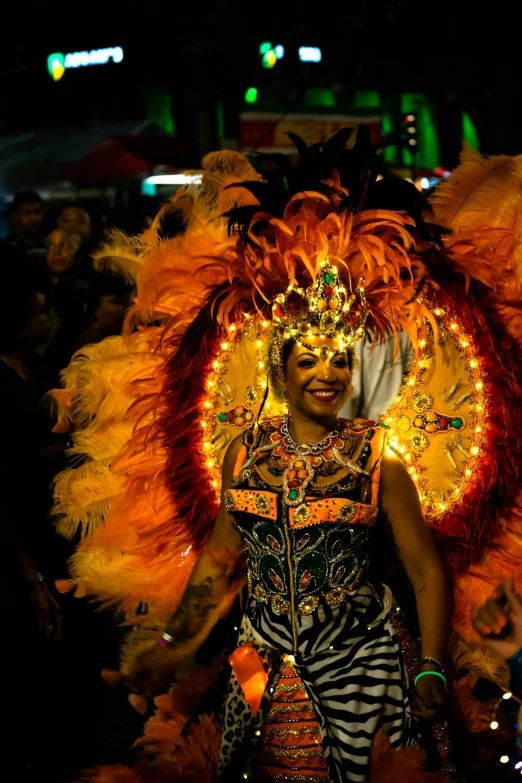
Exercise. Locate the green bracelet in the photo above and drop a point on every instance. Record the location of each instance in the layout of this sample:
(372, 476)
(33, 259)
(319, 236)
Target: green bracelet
(423, 674)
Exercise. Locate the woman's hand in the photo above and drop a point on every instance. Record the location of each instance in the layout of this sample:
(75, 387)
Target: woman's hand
(499, 621)
(430, 696)
(152, 672)
(49, 615)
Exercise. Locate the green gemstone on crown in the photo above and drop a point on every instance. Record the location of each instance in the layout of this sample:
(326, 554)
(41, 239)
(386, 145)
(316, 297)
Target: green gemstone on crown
(293, 494)
(457, 423)
(222, 417)
(329, 278)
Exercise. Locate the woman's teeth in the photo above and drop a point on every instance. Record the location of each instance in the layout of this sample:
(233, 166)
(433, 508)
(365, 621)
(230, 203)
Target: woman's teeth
(325, 396)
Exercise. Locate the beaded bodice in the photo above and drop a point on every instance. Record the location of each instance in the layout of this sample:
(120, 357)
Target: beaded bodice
(318, 550)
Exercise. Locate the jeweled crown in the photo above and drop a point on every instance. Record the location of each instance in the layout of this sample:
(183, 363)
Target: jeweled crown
(325, 308)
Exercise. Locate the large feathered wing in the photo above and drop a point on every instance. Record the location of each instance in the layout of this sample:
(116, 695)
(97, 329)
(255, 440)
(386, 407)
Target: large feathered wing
(135, 546)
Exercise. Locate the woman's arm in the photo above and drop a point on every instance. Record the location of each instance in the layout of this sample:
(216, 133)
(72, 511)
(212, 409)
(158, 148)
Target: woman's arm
(400, 504)
(208, 586)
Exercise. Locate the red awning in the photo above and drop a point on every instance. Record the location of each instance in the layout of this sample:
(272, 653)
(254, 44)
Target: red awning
(121, 157)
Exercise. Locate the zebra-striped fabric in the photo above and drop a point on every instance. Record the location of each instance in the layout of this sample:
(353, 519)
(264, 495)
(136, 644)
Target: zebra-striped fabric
(354, 675)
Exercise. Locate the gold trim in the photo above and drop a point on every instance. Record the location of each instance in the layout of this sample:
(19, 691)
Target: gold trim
(347, 512)
(292, 753)
(336, 596)
(262, 503)
(308, 605)
(290, 690)
(298, 731)
(285, 710)
(302, 513)
(280, 605)
(229, 501)
(291, 579)
(283, 777)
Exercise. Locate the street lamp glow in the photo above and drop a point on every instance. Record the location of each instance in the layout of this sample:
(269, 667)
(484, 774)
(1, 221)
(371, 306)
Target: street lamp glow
(173, 179)
(310, 54)
(251, 95)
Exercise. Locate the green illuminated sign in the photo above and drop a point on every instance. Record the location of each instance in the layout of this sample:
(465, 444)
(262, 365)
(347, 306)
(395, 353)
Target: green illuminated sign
(56, 65)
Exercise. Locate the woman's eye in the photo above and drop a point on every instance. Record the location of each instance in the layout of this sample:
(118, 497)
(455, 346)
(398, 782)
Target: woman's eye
(306, 363)
(341, 363)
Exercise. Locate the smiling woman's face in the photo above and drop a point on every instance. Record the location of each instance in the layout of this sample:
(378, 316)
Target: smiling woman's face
(318, 381)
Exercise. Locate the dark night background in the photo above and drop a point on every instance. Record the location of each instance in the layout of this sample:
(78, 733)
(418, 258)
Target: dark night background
(463, 57)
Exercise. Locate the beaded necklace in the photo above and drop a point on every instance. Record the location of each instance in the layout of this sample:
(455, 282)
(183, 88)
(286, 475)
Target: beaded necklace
(302, 459)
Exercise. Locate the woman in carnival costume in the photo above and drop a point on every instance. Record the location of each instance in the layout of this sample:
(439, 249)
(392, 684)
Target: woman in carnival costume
(256, 338)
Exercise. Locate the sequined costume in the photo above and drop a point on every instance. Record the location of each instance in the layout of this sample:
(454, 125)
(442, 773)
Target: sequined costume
(318, 614)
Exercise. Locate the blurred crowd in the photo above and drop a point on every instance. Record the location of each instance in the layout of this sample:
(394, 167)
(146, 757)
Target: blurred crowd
(55, 302)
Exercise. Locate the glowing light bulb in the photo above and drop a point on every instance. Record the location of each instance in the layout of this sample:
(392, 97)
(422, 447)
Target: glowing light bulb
(468, 472)
(473, 363)
(412, 381)
(474, 450)
(504, 759)
(479, 407)
(478, 385)
(210, 384)
(438, 311)
(203, 425)
(259, 343)
(215, 365)
(214, 483)
(224, 346)
(264, 324)
(464, 344)
(493, 725)
(208, 404)
(422, 343)
(507, 695)
(478, 429)
(232, 328)
(407, 457)
(210, 463)
(454, 327)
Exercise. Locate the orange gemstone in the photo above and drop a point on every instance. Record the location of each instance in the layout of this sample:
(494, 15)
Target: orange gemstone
(431, 428)
(418, 421)
(430, 416)
(334, 304)
(292, 474)
(302, 474)
(322, 304)
(299, 463)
